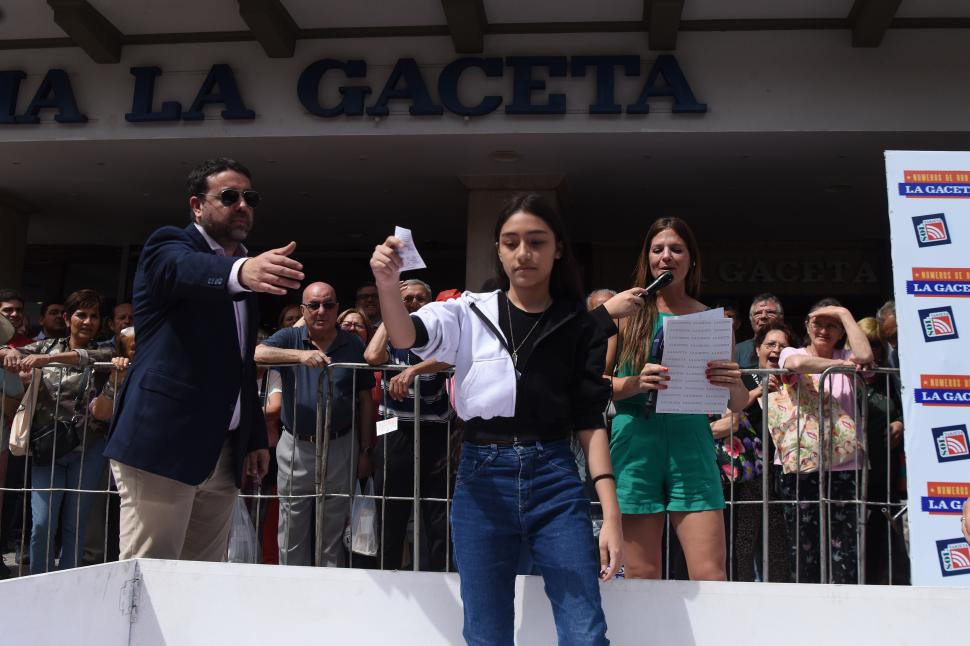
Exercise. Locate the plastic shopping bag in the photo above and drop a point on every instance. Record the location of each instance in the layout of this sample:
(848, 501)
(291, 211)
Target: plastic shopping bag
(363, 520)
(242, 535)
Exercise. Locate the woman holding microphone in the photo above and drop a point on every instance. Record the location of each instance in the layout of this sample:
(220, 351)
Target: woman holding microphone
(528, 364)
(665, 463)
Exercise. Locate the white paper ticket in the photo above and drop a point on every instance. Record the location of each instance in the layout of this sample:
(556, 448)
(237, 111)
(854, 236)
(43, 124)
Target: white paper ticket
(385, 426)
(410, 258)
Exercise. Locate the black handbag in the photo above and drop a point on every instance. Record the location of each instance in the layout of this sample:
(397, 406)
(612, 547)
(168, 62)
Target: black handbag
(63, 436)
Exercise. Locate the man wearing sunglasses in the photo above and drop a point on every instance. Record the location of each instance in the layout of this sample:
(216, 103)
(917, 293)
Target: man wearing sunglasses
(312, 347)
(188, 427)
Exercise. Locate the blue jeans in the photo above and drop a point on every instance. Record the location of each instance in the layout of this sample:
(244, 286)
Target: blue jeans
(507, 496)
(48, 507)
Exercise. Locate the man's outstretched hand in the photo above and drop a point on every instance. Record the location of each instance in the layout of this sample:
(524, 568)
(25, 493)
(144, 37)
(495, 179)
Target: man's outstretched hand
(272, 272)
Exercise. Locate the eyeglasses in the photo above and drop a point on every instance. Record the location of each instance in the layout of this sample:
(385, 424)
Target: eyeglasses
(315, 305)
(412, 299)
(765, 314)
(353, 325)
(829, 327)
(229, 196)
(774, 345)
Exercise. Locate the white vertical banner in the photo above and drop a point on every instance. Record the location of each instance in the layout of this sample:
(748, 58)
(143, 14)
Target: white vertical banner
(929, 217)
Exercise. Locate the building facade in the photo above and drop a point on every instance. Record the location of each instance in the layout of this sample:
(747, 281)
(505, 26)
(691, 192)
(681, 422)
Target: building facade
(763, 126)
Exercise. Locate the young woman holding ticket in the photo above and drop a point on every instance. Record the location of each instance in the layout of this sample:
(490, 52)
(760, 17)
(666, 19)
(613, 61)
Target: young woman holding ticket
(665, 463)
(528, 364)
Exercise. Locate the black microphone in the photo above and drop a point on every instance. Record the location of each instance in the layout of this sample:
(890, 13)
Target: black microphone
(657, 348)
(657, 351)
(661, 281)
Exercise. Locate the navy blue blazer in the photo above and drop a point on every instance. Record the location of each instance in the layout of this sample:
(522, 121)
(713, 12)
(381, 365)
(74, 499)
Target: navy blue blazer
(175, 406)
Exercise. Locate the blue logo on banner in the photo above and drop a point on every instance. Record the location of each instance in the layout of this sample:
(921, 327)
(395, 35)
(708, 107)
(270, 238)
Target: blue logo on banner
(938, 324)
(931, 230)
(924, 189)
(952, 443)
(954, 556)
(939, 281)
(942, 505)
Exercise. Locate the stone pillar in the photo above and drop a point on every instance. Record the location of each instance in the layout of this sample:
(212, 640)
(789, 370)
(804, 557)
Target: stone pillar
(486, 196)
(13, 247)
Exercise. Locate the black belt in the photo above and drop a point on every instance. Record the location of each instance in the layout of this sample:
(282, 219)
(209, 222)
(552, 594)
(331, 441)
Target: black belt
(312, 437)
(510, 441)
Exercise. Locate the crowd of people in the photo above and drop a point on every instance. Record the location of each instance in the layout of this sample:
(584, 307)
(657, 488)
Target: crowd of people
(534, 400)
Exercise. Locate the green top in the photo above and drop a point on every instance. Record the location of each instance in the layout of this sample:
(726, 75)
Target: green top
(639, 400)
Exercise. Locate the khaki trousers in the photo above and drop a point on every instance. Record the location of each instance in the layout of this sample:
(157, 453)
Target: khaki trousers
(163, 518)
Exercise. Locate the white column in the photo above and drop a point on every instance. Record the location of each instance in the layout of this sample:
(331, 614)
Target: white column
(487, 194)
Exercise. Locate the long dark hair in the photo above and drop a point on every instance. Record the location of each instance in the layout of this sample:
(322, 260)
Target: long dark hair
(636, 336)
(564, 283)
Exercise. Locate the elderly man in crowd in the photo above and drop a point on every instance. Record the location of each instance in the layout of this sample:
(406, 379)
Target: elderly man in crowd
(52, 325)
(313, 346)
(765, 309)
(188, 422)
(886, 321)
(597, 297)
(397, 400)
(369, 304)
(121, 318)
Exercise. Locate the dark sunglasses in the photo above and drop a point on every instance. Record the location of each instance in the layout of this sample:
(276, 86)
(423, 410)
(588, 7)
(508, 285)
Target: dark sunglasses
(315, 305)
(229, 196)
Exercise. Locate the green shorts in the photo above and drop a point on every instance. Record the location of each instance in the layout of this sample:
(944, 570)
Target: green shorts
(664, 462)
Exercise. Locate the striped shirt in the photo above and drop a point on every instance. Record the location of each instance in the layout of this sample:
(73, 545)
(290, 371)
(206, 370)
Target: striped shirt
(435, 404)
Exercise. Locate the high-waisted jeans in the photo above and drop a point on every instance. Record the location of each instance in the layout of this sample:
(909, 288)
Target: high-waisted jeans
(525, 493)
(49, 508)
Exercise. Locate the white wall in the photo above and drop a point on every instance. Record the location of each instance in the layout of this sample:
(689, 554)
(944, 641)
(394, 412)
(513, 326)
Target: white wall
(752, 81)
(205, 604)
(83, 606)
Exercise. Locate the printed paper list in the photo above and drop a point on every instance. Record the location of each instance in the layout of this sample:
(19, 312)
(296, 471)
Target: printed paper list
(689, 343)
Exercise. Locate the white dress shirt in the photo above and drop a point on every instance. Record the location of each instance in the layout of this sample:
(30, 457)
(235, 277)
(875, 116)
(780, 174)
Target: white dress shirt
(234, 287)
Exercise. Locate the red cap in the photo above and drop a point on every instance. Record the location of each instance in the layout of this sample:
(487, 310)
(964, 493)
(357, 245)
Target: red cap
(448, 295)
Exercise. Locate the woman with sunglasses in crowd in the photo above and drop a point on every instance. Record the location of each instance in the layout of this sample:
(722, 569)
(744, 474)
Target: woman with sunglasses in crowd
(665, 462)
(63, 396)
(529, 362)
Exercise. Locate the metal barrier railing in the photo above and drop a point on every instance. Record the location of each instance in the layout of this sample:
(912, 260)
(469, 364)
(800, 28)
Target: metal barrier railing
(889, 505)
(323, 495)
(323, 438)
(68, 500)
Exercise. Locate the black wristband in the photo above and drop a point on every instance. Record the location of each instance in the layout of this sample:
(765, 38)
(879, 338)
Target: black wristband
(604, 476)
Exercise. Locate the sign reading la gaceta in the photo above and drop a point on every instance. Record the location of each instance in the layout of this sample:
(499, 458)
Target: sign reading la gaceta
(405, 83)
